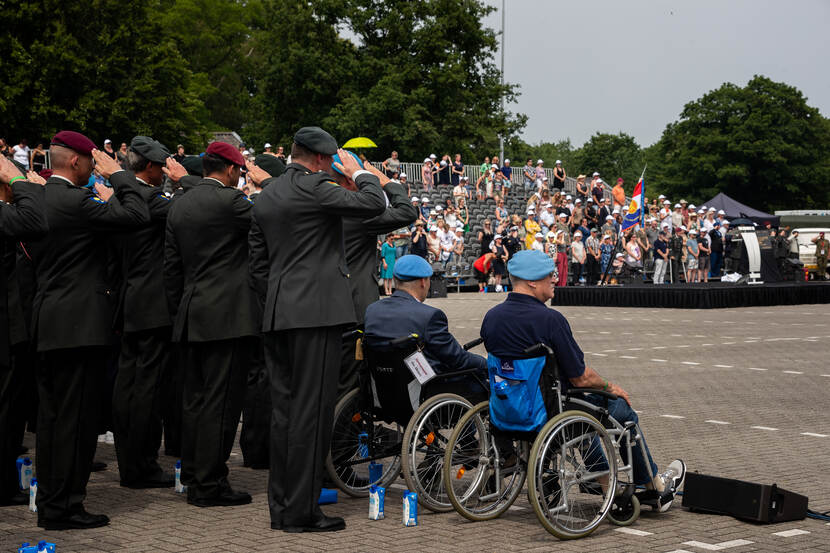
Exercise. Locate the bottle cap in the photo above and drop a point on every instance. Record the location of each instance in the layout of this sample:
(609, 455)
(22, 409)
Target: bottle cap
(27, 461)
(178, 464)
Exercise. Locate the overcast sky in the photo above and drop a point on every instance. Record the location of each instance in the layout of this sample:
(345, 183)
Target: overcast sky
(631, 65)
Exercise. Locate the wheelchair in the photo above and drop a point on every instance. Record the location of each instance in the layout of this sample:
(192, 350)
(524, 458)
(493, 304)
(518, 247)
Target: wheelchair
(391, 424)
(578, 464)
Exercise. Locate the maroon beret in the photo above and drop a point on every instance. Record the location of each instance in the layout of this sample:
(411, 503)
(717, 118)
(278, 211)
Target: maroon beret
(226, 152)
(74, 141)
(45, 173)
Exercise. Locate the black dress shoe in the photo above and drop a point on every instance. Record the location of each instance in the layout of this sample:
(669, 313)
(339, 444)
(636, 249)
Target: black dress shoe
(226, 499)
(98, 466)
(161, 480)
(76, 521)
(18, 498)
(322, 524)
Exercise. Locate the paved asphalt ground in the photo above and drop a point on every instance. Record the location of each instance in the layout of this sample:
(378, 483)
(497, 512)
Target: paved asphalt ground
(740, 393)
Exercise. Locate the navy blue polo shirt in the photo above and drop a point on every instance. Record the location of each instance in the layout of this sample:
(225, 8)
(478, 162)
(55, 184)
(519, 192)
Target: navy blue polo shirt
(523, 321)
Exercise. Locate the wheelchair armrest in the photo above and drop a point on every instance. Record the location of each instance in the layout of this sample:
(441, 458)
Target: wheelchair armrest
(474, 343)
(583, 391)
(413, 338)
(453, 374)
(352, 334)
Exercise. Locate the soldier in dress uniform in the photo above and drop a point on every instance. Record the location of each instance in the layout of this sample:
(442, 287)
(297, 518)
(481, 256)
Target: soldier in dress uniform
(361, 236)
(298, 264)
(214, 320)
(22, 216)
(144, 356)
(72, 319)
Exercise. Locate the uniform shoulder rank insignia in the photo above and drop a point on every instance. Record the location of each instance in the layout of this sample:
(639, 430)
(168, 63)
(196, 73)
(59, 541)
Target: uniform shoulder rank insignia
(250, 201)
(97, 200)
(332, 182)
(163, 197)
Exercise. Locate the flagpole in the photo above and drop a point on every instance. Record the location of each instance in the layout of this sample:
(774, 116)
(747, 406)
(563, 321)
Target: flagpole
(643, 199)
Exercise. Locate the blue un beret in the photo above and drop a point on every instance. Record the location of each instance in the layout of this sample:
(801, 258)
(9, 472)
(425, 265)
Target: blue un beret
(530, 265)
(410, 267)
(336, 159)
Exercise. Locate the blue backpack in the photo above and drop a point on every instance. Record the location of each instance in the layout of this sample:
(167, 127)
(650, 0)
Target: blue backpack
(516, 403)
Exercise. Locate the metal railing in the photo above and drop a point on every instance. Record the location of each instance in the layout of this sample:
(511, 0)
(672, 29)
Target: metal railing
(473, 172)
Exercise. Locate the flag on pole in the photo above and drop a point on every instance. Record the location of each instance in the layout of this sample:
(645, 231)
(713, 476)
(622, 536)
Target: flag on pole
(635, 208)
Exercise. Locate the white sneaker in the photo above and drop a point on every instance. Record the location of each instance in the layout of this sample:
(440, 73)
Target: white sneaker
(498, 288)
(673, 478)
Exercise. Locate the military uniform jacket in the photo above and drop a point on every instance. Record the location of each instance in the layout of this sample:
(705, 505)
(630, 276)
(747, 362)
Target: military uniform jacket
(297, 247)
(143, 302)
(206, 264)
(25, 218)
(361, 244)
(74, 304)
(401, 315)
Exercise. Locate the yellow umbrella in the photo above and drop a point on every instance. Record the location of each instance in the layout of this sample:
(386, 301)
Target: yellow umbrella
(359, 142)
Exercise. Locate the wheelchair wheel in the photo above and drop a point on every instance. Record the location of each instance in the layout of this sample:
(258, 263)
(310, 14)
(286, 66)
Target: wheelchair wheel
(363, 451)
(624, 514)
(572, 475)
(482, 479)
(424, 444)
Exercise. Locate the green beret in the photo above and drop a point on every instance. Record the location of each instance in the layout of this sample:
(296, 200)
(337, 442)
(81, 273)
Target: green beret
(193, 164)
(272, 165)
(150, 149)
(317, 140)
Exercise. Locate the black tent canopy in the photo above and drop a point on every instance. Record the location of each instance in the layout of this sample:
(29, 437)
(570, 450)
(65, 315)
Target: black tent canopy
(735, 209)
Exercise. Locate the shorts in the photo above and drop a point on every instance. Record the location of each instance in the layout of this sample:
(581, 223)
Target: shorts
(480, 277)
(703, 263)
(691, 263)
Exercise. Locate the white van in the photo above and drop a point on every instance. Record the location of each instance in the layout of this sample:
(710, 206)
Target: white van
(803, 245)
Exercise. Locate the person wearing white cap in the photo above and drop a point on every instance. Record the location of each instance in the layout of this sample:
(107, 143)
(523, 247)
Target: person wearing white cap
(532, 226)
(559, 176)
(666, 214)
(500, 260)
(547, 217)
(708, 222)
(677, 215)
(539, 242)
(692, 253)
(427, 174)
(540, 173)
(578, 258)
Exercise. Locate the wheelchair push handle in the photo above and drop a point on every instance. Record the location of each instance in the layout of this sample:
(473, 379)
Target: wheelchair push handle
(410, 338)
(356, 333)
(472, 344)
(539, 349)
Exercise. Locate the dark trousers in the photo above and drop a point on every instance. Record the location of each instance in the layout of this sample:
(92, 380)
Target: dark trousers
(304, 365)
(714, 268)
(70, 384)
(676, 269)
(12, 422)
(592, 268)
(256, 413)
(172, 390)
(136, 402)
(214, 388)
(349, 368)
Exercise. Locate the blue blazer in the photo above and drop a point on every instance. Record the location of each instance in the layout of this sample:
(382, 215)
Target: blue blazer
(400, 315)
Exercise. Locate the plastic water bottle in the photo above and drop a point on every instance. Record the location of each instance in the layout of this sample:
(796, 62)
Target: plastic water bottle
(33, 495)
(377, 495)
(24, 547)
(179, 487)
(24, 472)
(327, 496)
(501, 389)
(45, 547)
(363, 448)
(410, 508)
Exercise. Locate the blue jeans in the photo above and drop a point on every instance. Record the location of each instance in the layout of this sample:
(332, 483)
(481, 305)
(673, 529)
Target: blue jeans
(400, 251)
(644, 469)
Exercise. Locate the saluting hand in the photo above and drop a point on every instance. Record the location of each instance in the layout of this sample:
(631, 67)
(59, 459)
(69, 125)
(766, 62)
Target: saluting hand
(348, 165)
(32, 176)
(104, 192)
(174, 170)
(256, 174)
(104, 164)
(8, 170)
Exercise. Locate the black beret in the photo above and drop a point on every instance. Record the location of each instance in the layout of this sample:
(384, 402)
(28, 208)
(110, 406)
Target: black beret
(150, 149)
(272, 165)
(193, 164)
(317, 140)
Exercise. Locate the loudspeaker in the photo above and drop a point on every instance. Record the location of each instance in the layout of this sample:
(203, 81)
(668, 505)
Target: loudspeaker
(744, 500)
(437, 287)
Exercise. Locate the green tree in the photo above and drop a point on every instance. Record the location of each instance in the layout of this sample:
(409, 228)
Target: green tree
(760, 144)
(613, 156)
(99, 67)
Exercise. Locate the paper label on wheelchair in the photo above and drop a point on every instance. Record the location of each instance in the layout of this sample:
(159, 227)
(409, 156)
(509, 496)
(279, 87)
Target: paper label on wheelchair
(419, 367)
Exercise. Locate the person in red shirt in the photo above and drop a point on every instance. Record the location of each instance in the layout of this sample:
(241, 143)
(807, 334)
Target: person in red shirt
(481, 269)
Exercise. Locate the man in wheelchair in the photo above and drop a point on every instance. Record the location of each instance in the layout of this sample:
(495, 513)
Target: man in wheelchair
(404, 314)
(523, 320)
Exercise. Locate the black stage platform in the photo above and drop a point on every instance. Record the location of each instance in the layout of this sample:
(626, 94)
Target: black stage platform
(694, 296)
